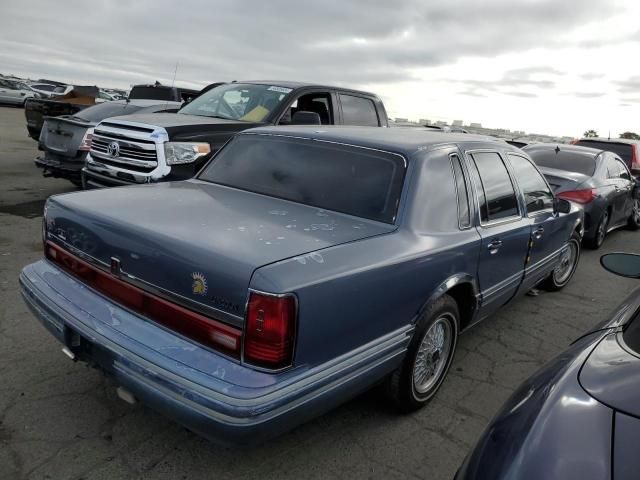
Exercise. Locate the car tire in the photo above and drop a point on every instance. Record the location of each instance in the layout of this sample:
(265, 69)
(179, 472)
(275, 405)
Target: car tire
(634, 220)
(428, 356)
(600, 232)
(563, 273)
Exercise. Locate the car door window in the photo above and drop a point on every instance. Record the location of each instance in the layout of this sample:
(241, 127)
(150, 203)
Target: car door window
(496, 195)
(623, 173)
(464, 212)
(613, 170)
(319, 102)
(358, 111)
(537, 193)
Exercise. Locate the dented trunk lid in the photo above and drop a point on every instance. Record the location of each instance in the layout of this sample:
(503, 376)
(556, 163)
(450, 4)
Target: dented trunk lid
(197, 240)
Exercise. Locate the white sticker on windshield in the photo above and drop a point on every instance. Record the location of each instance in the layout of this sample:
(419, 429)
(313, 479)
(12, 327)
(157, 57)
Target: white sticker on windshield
(280, 89)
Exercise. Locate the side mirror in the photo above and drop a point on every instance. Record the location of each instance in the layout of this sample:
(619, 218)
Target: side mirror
(623, 264)
(560, 205)
(303, 117)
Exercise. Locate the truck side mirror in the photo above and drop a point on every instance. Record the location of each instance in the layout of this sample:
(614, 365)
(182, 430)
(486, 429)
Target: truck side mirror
(623, 264)
(303, 117)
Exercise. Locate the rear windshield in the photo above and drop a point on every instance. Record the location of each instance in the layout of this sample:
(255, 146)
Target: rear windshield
(623, 150)
(358, 181)
(569, 161)
(153, 93)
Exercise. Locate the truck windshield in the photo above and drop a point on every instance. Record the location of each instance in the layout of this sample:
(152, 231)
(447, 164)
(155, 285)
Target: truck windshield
(354, 180)
(245, 102)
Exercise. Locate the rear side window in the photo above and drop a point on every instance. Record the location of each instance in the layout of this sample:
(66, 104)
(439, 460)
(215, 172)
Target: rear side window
(358, 111)
(358, 181)
(464, 214)
(497, 197)
(537, 194)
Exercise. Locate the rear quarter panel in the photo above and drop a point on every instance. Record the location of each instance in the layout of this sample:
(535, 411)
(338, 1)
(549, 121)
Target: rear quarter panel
(351, 294)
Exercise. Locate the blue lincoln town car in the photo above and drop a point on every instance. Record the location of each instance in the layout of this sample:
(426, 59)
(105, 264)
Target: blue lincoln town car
(300, 267)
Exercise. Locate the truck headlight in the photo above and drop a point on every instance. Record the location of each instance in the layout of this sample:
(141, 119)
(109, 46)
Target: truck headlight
(178, 153)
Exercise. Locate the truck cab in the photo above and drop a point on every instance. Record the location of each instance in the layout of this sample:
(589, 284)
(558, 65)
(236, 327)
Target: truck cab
(149, 148)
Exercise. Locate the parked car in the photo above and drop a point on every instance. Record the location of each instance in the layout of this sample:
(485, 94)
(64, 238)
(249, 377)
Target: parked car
(65, 140)
(15, 93)
(163, 147)
(48, 90)
(626, 149)
(579, 416)
(300, 267)
(598, 180)
(83, 97)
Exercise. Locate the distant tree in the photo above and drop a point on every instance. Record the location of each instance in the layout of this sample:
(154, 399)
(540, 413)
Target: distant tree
(590, 134)
(630, 135)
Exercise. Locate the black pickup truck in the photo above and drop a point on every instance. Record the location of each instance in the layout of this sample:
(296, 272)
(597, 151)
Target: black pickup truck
(147, 148)
(36, 110)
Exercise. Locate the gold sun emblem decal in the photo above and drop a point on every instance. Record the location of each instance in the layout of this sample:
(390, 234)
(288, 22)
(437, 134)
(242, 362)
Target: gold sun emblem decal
(199, 285)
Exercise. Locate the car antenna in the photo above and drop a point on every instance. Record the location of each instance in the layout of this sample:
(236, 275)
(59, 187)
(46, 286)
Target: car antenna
(175, 72)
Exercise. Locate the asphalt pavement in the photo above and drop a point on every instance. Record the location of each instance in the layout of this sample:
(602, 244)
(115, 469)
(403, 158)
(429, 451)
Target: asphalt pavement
(63, 420)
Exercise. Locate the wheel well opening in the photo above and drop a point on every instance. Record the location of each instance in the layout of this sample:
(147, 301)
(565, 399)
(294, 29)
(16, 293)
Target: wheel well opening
(465, 298)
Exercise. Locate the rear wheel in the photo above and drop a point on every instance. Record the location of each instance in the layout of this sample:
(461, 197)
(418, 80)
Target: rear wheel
(634, 220)
(428, 357)
(597, 239)
(563, 273)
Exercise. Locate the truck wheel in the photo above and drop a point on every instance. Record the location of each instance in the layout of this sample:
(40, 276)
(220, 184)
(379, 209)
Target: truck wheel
(634, 219)
(597, 239)
(428, 357)
(563, 273)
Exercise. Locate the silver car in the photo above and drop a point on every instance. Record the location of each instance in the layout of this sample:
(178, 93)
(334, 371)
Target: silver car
(15, 92)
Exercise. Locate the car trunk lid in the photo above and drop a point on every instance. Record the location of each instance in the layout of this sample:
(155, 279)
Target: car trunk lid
(63, 135)
(562, 180)
(199, 241)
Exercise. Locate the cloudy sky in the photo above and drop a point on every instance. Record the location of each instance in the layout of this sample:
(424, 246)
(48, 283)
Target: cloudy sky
(544, 66)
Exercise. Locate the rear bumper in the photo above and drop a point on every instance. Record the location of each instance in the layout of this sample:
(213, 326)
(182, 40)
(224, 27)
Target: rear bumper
(214, 396)
(69, 168)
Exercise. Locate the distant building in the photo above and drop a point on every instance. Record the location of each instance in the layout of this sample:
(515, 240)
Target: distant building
(475, 125)
(424, 121)
(457, 123)
(440, 123)
(401, 120)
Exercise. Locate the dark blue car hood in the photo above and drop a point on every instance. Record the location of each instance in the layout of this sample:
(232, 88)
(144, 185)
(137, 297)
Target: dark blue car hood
(168, 234)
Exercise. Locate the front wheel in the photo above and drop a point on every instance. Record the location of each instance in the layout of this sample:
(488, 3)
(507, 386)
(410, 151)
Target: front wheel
(634, 220)
(562, 274)
(428, 357)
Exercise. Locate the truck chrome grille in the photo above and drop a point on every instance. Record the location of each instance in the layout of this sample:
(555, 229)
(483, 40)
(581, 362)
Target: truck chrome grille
(122, 149)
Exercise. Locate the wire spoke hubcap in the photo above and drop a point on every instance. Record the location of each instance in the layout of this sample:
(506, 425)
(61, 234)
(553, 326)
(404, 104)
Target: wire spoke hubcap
(567, 261)
(433, 354)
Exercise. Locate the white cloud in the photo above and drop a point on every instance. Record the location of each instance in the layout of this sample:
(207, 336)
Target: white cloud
(538, 65)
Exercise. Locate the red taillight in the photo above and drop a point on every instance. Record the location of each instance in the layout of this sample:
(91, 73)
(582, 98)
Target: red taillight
(85, 145)
(579, 196)
(203, 329)
(635, 159)
(270, 330)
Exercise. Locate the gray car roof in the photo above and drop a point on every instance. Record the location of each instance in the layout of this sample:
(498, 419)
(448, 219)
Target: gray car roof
(401, 140)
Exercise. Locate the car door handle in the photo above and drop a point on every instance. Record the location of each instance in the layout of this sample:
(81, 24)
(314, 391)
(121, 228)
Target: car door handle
(617, 188)
(537, 233)
(494, 246)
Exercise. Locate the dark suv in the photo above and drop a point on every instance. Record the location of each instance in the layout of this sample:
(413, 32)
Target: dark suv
(628, 150)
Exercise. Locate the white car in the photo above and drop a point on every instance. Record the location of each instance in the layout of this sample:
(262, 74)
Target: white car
(47, 90)
(15, 92)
